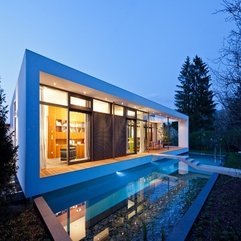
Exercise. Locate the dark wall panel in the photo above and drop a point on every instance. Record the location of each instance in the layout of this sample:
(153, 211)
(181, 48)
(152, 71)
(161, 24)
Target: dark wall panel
(108, 142)
(102, 133)
(119, 136)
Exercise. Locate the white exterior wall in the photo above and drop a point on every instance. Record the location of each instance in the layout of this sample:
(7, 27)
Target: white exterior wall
(20, 134)
(27, 101)
(183, 135)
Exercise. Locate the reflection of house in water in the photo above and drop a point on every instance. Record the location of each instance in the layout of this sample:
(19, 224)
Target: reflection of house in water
(73, 220)
(137, 202)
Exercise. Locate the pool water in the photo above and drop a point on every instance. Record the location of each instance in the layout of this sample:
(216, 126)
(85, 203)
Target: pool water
(141, 203)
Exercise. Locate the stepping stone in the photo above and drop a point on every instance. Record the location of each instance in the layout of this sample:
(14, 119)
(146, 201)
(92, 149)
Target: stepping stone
(191, 160)
(196, 163)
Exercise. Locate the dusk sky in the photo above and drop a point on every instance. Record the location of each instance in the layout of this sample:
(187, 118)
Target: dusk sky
(137, 45)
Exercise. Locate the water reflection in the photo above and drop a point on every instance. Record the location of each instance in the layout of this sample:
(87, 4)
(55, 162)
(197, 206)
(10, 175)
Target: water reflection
(73, 220)
(129, 206)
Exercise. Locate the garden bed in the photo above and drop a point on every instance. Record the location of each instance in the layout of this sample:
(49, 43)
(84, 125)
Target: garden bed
(21, 221)
(220, 218)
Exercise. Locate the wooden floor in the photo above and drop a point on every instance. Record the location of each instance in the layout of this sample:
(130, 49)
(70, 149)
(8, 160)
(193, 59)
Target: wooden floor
(76, 167)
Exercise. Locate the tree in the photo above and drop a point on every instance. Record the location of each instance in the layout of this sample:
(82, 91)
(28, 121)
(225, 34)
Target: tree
(184, 94)
(194, 96)
(228, 75)
(8, 152)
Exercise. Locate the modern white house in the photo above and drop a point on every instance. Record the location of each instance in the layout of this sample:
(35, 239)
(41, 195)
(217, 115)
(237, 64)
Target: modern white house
(67, 122)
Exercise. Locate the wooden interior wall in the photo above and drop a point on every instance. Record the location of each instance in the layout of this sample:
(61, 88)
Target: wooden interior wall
(55, 113)
(57, 135)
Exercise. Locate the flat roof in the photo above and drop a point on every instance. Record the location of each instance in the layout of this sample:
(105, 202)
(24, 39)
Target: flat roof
(60, 76)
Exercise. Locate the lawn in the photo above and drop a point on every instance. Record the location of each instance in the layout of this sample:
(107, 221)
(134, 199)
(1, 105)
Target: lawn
(220, 218)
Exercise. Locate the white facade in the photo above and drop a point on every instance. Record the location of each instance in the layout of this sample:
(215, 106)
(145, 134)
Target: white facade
(26, 119)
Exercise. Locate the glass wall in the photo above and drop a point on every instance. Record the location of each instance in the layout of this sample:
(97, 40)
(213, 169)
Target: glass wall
(79, 136)
(131, 135)
(64, 134)
(53, 135)
(65, 128)
(141, 136)
(141, 131)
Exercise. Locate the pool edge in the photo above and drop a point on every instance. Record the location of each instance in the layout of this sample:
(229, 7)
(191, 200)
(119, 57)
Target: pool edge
(182, 229)
(56, 230)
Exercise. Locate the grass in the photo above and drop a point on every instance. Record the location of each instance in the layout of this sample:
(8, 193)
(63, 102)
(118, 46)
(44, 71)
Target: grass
(220, 218)
(233, 160)
(21, 221)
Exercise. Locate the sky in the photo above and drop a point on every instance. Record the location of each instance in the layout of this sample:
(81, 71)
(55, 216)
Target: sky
(138, 45)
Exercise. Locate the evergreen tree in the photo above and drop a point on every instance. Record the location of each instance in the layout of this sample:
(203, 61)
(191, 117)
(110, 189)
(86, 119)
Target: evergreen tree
(183, 95)
(8, 152)
(194, 97)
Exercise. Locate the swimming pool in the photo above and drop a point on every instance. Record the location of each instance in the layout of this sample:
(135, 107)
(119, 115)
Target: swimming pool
(146, 201)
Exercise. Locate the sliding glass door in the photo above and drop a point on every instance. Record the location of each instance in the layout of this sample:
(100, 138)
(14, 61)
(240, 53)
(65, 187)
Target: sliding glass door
(131, 135)
(78, 136)
(61, 141)
(141, 136)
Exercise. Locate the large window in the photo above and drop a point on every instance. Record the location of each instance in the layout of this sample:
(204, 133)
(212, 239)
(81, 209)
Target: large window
(141, 136)
(64, 134)
(53, 135)
(131, 135)
(131, 113)
(142, 115)
(53, 96)
(79, 136)
(118, 110)
(80, 102)
(101, 106)
(65, 129)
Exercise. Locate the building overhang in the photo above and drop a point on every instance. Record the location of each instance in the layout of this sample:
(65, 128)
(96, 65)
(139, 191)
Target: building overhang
(84, 84)
(60, 76)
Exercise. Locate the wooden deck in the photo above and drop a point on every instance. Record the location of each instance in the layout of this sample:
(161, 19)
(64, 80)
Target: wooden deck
(80, 166)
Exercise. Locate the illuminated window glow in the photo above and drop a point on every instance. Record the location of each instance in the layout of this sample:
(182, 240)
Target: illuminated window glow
(101, 106)
(119, 110)
(131, 113)
(53, 96)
